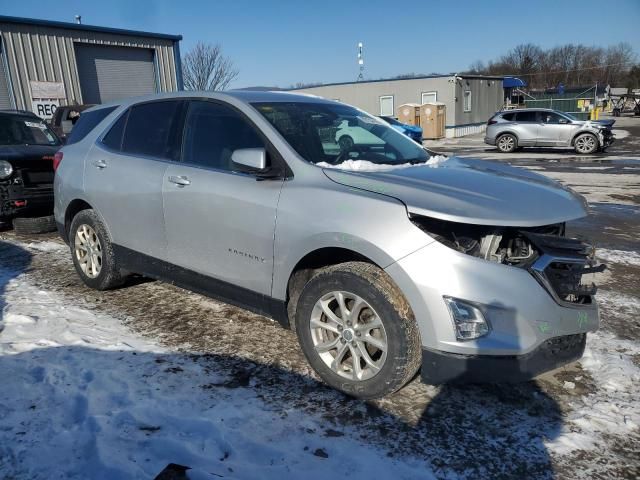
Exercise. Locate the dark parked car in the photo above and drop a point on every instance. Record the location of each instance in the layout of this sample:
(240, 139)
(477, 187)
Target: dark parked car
(65, 118)
(27, 153)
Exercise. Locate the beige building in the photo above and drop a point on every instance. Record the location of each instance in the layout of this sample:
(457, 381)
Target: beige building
(44, 64)
(470, 99)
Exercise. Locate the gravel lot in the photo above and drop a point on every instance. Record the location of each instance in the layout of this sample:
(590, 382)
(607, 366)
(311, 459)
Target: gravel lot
(581, 421)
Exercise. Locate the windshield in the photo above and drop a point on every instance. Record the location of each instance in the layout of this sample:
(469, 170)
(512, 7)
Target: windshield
(569, 116)
(19, 130)
(334, 133)
(391, 121)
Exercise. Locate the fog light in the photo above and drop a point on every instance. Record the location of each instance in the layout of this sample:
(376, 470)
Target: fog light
(468, 320)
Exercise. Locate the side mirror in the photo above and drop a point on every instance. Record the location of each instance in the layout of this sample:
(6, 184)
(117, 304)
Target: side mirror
(563, 121)
(253, 158)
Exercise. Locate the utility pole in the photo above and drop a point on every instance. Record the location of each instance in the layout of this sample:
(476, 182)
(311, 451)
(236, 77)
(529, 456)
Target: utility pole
(360, 62)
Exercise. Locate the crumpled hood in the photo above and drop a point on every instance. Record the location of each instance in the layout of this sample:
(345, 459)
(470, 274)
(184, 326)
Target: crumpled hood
(472, 191)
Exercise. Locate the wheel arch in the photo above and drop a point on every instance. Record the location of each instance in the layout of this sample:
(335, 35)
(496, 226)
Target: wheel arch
(582, 132)
(73, 208)
(312, 261)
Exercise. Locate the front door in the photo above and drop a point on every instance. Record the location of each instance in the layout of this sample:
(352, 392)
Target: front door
(555, 130)
(220, 220)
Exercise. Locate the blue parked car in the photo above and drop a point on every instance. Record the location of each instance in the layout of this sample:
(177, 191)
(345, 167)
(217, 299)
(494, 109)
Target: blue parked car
(412, 131)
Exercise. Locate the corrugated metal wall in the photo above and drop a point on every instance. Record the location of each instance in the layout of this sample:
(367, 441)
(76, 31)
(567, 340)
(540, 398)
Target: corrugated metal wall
(47, 54)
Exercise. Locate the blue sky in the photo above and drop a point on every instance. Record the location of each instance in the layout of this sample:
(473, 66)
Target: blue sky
(283, 42)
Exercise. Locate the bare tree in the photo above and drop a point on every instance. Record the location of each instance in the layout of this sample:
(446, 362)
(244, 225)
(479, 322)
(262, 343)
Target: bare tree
(204, 67)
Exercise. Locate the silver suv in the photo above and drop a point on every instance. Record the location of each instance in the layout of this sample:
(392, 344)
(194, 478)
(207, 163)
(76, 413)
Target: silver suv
(531, 127)
(381, 255)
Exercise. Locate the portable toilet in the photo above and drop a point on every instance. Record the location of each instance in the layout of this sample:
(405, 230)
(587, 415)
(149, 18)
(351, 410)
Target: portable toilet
(432, 120)
(409, 113)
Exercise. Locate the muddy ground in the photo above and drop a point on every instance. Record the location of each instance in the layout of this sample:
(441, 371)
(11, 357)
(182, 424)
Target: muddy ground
(471, 432)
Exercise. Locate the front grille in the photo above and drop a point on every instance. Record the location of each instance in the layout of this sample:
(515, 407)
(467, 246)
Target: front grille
(561, 266)
(35, 177)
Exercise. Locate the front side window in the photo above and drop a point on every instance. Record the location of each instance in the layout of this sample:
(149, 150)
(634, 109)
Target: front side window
(333, 133)
(212, 133)
(25, 130)
(149, 129)
(553, 118)
(467, 100)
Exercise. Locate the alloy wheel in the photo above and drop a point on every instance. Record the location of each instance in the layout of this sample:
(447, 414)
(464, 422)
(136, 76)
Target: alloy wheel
(506, 143)
(585, 144)
(88, 251)
(348, 335)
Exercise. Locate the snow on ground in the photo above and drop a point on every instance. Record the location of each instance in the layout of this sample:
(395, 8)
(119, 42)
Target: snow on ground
(620, 134)
(624, 257)
(83, 397)
(366, 166)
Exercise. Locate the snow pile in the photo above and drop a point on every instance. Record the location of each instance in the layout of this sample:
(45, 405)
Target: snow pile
(624, 257)
(612, 410)
(366, 166)
(620, 134)
(84, 397)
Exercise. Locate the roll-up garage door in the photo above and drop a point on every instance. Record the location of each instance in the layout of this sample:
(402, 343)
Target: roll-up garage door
(110, 73)
(5, 98)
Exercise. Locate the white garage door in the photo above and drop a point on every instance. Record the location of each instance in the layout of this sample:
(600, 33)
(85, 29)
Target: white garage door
(110, 73)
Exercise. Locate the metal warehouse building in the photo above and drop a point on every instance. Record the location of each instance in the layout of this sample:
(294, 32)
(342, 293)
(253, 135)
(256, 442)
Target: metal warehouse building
(470, 99)
(45, 63)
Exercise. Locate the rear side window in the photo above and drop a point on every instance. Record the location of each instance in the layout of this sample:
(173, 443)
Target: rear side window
(527, 117)
(508, 116)
(87, 122)
(149, 129)
(113, 139)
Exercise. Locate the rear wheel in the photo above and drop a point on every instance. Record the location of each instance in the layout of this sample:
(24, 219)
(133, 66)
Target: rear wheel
(507, 143)
(585, 144)
(357, 330)
(92, 252)
(34, 225)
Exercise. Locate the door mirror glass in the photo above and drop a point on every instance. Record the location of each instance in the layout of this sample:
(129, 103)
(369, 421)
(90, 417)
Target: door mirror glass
(563, 120)
(254, 158)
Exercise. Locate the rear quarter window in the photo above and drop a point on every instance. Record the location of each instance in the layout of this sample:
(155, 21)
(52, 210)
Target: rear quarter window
(87, 122)
(508, 116)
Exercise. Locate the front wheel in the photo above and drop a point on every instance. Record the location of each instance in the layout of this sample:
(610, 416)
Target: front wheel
(92, 252)
(357, 330)
(585, 144)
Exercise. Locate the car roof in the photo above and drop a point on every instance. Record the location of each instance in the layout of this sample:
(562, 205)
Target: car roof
(529, 110)
(245, 96)
(21, 113)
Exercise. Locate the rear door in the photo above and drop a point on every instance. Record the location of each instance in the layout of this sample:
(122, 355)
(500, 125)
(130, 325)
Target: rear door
(125, 170)
(220, 220)
(527, 127)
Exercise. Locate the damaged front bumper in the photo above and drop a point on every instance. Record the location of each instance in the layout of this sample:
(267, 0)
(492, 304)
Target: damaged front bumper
(16, 200)
(533, 327)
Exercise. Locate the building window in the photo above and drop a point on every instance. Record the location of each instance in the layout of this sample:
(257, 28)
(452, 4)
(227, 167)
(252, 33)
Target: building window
(429, 97)
(386, 106)
(467, 100)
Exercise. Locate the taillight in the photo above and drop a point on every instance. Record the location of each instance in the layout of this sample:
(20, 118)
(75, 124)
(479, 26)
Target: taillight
(57, 159)
(492, 121)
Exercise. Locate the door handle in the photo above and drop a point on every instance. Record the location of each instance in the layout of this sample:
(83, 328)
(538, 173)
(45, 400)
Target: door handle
(179, 180)
(100, 164)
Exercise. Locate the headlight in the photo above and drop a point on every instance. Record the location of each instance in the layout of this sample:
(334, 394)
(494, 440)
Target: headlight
(468, 320)
(6, 169)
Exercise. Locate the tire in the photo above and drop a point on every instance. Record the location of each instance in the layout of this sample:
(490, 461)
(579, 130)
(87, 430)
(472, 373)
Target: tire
(34, 225)
(384, 305)
(585, 144)
(507, 143)
(87, 235)
(345, 142)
